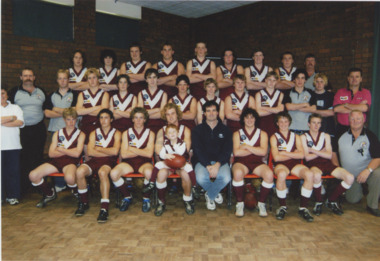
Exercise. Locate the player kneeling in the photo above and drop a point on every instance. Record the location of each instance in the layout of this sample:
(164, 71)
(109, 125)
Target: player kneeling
(65, 151)
(136, 152)
(250, 147)
(287, 153)
(318, 153)
(103, 147)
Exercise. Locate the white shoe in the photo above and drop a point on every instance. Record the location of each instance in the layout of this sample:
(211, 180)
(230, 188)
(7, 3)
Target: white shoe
(262, 209)
(239, 209)
(59, 189)
(210, 204)
(219, 199)
(12, 201)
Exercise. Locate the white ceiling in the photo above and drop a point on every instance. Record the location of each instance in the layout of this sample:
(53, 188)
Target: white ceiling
(187, 8)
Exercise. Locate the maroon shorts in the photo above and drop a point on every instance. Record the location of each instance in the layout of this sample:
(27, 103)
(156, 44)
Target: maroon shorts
(290, 164)
(250, 165)
(325, 166)
(61, 162)
(137, 162)
(96, 163)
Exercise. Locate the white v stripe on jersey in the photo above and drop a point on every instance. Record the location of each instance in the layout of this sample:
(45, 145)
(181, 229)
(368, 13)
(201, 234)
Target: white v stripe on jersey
(148, 101)
(226, 73)
(288, 146)
(75, 77)
(167, 70)
(239, 104)
(122, 105)
(87, 98)
(203, 100)
(101, 142)
(268, 100)
(200, 68)
(256, 75)
(107, 78)
(132, 69)
(182, 106)
(63, 141)
(320, 141)
(134, 141)
(248, 141)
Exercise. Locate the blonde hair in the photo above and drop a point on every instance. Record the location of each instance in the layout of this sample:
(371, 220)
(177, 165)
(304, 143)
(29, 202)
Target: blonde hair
(92, 71)
(63, 71)
(169, 106)
(324, 78)
(70, 112)
(208, 81)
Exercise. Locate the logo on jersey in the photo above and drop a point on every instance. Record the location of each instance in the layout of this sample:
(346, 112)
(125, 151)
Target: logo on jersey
(129, 66)
(160, 66)
(196, 64)
(116, 102)
(306, 98)
(176, 101)
(363, 145)
(146, 96)
(61, 138)
(265, 97)
(254, 74)
(99, 137)
(102, 74)
(225, 71)
(72, 74)
(132, 136)
(310, 144)
(344, 98)
(282, 73)
(234, 100)
(86, 97)
(280, 141)
(243, 137)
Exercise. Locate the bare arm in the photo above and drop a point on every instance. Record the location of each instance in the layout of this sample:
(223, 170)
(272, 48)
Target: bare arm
(221, 110)
(159, 141)
(192, 113)
(96, 151)
(200, 113)
(74, 152)
(230, 113)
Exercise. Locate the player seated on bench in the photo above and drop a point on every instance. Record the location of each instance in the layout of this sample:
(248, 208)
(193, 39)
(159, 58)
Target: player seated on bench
(287, 152)
(173, 145)
(64, 152)
(137, 149)
(318, 154)
(250, 145)
(103, 147)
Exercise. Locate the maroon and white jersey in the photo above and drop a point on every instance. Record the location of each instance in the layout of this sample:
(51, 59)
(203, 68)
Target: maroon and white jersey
(253, 140)
(197, 89)
(77, 76)
(258, 75)
(108, 77)
(287, 144)
(136, 68)
(183, 104)
(152, 101)
(88, 122)
(122, 104)
(181, 132)
(238, 103)
(267, 122)
(318, 144)
(178, 148)
(104, 140)
(285, 75)
(204, 99)
(165, 69)
(227, 74)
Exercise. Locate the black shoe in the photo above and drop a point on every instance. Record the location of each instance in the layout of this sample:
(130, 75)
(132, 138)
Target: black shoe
(334, 207)
(160, 209)
(195, 192)
(317, 210)
(281, 212)
(46, 199)
(103, 216)
(373, 211)
(148, 188)
(82, 208)
(189, 207)
(305, 214)
(125, 204)
(76, 195)
(146, 205)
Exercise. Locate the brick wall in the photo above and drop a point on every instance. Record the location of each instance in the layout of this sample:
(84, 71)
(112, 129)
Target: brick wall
(47, 56)
(339, 34)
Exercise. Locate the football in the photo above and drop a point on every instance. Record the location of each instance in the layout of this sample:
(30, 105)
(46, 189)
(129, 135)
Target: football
(176, 163)
(250, 201)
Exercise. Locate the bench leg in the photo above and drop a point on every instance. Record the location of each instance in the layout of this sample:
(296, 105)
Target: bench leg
(229, 195)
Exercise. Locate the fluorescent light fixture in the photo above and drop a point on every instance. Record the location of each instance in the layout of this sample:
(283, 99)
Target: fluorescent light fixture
(118, 8)
(61, 2)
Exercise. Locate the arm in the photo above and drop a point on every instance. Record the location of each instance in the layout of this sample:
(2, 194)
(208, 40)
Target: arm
(251, 103)
(309, 108)
(253, 85)
(124, 114)
(364, 174)
(222, 82)
(16, 120)
(229, 112)
(131, 152)
(298, 153)
(96, 151)
(139, 77)
(258, 151)
(187, 138)
(159, 141)
(81, 110)
(74, 152)
(200, 113)
(212, 73)
(192, 113)
(296, 106)
(221, 110)
(79, 86)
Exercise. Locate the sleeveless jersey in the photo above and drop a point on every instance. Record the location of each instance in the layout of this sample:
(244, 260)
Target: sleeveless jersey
(251, 140)
(77, 76)
(227, 74)
(122, 104)
(285, 75)
(184, 106)
(181, 132)
(287, 144)
(152, 101)
(267, 123)
(197, 89)
(237, 104)
(108, 77)
(204, 99)
(167, 70)
(132, 68)
(318, 144)
(170, 149)
(89, 122)
(105, 141)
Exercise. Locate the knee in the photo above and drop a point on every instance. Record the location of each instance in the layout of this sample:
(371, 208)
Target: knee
(309, 176)
(33, 176)
(70, 179)
(114, 174)
(317, 178)
(238, 175)
(353, 198)
(268, 177)
(103, 174)
(281, 175)
(80, 173)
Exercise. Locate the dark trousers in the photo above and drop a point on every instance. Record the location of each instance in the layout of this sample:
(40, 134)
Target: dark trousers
(10, 174)
(33, 142)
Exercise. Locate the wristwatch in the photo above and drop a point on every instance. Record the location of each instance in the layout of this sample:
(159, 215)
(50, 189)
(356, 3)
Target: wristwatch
(370, 170)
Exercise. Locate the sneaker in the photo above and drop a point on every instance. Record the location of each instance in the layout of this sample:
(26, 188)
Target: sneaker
(160, 209)
(317, 210)
(46, 199)
(305, 214)
(148, 188)
(210, 204)
(334, 207)
(59, 189)
(281, 212)
(12, 201)
(262, 209)
(219, 199)
(146, 205)
(195, 192)
(82, 208)
(239, 212)
(125, 204)
(189, 207)
(103, 216)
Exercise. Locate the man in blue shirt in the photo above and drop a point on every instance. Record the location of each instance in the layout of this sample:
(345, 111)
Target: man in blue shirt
(212, 146)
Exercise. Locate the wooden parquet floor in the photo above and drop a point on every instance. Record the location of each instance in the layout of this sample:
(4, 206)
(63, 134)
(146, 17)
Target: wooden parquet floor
(54, 233)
